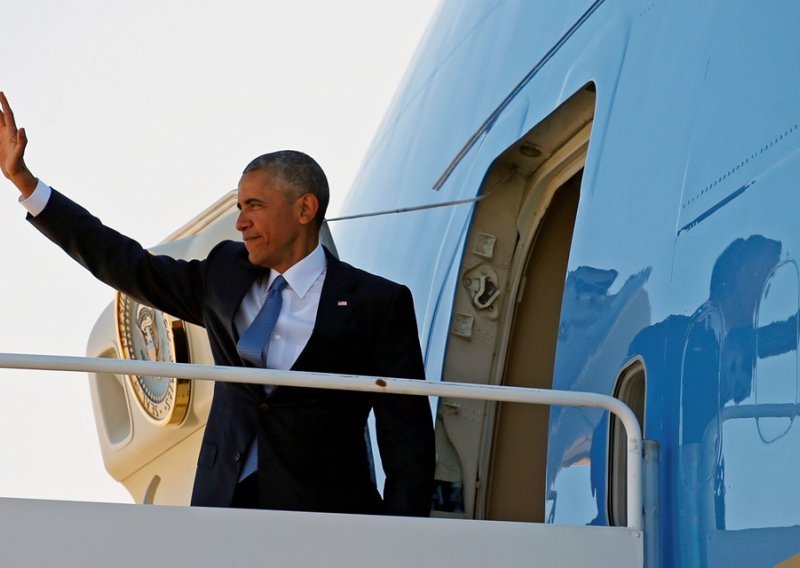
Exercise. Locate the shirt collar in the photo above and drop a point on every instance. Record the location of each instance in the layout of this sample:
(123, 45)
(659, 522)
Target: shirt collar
(302, 275)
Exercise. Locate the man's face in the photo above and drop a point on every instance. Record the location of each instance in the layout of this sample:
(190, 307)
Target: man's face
(271, 221)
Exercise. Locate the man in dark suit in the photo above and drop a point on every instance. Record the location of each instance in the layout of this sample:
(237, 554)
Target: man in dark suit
(274, 447)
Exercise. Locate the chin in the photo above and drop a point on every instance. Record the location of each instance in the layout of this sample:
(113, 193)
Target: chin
(252, 257)
(258, 260)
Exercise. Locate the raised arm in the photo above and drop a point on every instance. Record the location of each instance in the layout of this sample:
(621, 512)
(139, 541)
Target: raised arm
(12, 151)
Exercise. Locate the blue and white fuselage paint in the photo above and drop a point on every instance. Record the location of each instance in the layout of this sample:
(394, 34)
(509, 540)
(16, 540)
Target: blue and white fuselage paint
(684, 251)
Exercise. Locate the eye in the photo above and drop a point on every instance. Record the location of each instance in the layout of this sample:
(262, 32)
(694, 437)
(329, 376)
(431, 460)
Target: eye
(254, 204)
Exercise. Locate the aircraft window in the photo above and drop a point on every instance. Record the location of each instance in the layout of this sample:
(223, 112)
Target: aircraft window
(630, 389)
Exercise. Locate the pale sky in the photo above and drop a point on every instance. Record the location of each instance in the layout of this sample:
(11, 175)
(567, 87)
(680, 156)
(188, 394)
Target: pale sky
(146, 112)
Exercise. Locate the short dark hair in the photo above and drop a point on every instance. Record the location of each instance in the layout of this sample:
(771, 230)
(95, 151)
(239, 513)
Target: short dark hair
(300, 172)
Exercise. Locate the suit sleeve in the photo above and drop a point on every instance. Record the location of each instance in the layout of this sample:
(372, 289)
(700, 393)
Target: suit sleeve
(170, 285)
(403, 422)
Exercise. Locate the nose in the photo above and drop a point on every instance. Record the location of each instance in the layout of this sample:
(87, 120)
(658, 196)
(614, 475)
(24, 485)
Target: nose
(241, 221)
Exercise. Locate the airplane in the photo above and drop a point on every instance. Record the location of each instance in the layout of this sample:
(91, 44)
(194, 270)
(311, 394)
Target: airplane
(590, 196)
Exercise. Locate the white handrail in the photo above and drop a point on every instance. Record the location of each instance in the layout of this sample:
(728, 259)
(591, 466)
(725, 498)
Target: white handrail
(362, 383)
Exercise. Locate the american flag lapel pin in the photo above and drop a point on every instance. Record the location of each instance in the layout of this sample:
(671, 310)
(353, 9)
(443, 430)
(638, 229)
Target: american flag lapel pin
(341, 303)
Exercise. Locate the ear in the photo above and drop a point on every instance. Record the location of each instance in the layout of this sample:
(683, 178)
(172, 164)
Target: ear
(307, 207)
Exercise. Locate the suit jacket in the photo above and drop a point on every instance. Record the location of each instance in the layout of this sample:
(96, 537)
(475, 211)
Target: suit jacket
(311, 444)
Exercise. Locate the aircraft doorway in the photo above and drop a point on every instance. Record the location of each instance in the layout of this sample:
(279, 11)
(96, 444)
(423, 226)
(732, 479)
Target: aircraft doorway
(516, 480)
(491, 458)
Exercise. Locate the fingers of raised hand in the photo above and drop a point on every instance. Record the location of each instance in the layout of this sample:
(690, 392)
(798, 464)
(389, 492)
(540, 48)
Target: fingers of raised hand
(7, 115)
(22, 139)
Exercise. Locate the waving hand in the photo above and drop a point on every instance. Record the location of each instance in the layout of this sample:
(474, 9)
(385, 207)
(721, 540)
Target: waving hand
(12, 150)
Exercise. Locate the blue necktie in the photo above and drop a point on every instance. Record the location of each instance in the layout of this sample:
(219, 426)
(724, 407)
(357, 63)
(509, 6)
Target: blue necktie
(253, 347)
(254, 343)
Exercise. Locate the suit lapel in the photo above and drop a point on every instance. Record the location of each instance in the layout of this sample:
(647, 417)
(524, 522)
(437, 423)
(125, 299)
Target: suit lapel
(336, 304)
(238, 284)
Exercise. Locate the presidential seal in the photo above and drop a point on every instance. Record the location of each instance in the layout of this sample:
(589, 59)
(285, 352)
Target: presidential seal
(147, 334)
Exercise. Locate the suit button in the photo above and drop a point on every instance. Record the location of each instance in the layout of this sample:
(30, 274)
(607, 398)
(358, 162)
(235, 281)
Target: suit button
(263, 407)
(237, 456)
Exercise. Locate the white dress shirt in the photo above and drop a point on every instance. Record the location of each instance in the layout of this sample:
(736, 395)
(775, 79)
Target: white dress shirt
(37, 201)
